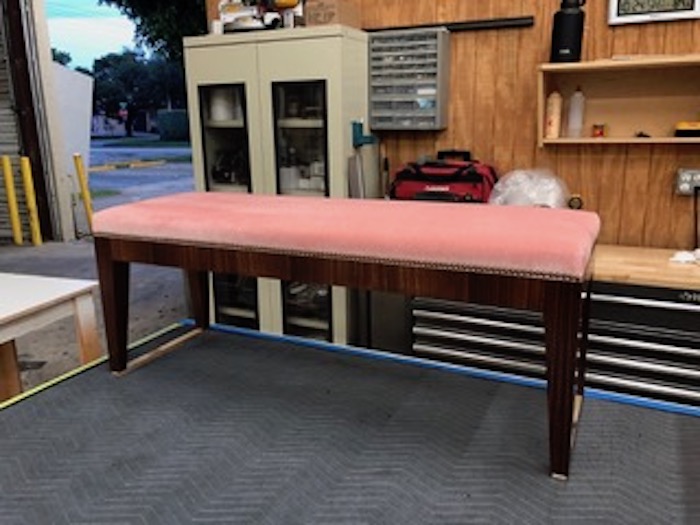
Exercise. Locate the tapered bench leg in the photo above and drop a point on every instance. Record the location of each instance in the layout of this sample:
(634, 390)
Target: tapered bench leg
(562, 315)
(114, 288)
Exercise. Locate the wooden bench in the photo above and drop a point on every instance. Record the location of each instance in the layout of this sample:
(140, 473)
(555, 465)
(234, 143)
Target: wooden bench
(30, 302)
(531, 258)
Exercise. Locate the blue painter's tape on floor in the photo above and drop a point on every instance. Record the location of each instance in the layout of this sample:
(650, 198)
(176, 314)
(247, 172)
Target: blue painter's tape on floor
(592, 393)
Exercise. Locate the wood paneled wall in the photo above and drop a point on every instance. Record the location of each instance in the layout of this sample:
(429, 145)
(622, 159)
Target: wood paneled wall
(493, 111)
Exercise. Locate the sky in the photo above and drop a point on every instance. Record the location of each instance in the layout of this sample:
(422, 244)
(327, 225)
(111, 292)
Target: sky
(86, 30)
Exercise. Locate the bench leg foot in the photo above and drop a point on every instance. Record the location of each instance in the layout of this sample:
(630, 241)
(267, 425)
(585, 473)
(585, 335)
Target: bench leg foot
(114, 288)
(562, 315)
(10, 382)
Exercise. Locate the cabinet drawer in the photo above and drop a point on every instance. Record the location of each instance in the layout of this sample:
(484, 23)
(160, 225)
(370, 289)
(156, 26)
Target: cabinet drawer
(643, 341)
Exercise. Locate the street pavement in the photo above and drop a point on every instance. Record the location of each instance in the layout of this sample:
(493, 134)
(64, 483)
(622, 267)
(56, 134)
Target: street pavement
(105, 153)
(139, 172)
(131, 184)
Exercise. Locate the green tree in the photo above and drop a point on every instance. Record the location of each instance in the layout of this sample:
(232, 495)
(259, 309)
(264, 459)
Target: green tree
(158, 83)
(133, 82)
(117, 78)
(62, 57)
(164, 85)
(161, 24)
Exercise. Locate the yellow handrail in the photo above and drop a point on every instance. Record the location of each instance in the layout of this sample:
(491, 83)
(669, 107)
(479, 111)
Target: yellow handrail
(84, 187)
(12, 207)
(30, 196)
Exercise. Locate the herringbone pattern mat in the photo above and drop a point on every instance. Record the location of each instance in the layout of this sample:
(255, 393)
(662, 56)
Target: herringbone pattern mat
(237, 430)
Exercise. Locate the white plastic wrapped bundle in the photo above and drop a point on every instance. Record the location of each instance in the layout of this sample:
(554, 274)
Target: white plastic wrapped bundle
(537, 187)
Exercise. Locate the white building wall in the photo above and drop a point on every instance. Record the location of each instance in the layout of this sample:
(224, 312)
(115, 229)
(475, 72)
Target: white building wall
(60, 185)
(73, 96)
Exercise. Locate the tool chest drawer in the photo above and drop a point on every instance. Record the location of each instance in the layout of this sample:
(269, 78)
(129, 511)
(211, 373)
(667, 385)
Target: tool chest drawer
(643, 341)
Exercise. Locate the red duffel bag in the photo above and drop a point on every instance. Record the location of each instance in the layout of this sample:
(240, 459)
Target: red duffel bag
(445, 179)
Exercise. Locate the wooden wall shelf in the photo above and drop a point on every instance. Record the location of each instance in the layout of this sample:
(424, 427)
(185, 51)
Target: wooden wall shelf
(630, 95)
(626, 62)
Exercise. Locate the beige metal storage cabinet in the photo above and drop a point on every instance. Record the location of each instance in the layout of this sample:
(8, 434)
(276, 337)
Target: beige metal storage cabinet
(271, 112)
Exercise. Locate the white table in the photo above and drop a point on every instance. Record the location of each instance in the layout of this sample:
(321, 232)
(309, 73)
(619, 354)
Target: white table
(29, 302)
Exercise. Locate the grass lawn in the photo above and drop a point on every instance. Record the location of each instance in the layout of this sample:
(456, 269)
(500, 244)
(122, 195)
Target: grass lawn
(96, 194)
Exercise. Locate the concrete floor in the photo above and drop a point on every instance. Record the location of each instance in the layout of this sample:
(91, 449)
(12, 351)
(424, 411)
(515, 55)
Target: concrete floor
(156, 301)
(156, 294)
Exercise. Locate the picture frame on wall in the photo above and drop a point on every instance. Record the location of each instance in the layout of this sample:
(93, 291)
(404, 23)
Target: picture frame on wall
(641, 11)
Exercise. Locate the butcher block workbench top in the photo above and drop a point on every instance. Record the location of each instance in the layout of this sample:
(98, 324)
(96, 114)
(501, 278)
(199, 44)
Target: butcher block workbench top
(643, 267)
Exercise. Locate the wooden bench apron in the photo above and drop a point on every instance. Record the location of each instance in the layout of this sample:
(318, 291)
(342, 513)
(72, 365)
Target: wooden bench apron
(531, 258)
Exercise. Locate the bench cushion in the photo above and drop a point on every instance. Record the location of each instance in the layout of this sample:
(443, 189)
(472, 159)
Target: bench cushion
(542, 243)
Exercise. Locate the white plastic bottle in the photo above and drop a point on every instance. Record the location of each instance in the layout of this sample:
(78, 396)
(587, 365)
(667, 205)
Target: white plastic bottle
(552, 116)
(577, 107)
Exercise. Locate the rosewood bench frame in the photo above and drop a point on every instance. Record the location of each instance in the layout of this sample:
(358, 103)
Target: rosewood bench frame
(563, 304)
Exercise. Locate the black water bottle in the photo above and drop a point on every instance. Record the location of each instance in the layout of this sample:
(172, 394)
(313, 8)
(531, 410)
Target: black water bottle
(567, 32)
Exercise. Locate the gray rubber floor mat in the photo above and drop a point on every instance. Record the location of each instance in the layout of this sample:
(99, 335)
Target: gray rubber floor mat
(231, 429)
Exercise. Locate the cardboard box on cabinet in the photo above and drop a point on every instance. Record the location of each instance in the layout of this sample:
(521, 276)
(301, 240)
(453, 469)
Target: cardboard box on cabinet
(322, 12)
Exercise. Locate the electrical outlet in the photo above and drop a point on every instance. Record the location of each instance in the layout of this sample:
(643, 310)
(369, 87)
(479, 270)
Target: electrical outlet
(687, 180)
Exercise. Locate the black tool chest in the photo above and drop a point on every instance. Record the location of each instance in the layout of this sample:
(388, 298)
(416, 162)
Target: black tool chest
(643, 341)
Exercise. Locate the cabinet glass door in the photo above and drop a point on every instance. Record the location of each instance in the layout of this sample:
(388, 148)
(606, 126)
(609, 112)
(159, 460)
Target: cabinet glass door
(307, 310)
(301, 154)
(236, 300)
(225, 137)
(227, 168)
(301, 143)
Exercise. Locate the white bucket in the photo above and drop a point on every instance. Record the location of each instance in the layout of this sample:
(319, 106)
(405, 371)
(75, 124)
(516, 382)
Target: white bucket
(223, 104)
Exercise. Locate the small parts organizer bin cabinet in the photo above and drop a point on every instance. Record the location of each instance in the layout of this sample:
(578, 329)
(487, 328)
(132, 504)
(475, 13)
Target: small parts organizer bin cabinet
(628, 96)
(409, 79)
(271, 113)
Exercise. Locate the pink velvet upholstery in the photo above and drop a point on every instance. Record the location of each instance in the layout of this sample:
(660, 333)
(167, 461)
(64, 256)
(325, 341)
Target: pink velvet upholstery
(544, 243)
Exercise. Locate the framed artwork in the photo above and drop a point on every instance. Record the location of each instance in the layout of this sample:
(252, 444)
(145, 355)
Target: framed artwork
(638, 11)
